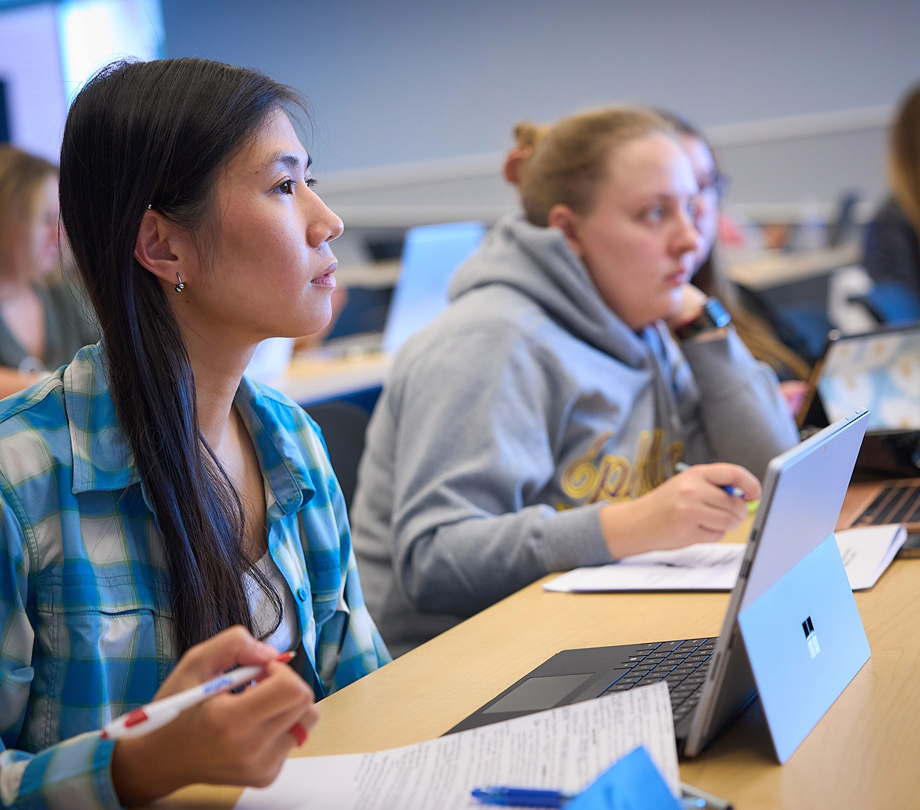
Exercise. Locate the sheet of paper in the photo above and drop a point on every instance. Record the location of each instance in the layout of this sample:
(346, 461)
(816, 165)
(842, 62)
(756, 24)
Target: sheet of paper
(866, 551)
(564, 748)
(702, 567)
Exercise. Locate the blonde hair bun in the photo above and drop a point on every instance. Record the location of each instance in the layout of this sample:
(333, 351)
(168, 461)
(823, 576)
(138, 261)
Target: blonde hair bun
(564, 163)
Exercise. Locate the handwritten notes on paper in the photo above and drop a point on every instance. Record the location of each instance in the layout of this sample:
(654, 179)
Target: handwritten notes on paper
(564, 748)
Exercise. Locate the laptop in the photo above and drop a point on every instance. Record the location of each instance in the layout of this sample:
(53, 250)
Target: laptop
(430, 255)
(879, 370)
(792, 632)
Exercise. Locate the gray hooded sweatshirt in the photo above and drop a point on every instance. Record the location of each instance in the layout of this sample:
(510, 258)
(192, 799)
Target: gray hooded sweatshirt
(509, 421)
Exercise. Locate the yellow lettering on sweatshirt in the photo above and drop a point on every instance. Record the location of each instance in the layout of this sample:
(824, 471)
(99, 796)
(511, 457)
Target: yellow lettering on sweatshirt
(595, 477)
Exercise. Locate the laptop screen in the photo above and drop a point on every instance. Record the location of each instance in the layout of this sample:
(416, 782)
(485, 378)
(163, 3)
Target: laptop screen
(878, 371)
(430, 255)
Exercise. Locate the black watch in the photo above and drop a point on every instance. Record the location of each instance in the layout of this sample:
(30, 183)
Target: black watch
(713, 316)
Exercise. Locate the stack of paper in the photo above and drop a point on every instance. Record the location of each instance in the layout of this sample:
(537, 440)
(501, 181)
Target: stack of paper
(564, 748)
(866, 552)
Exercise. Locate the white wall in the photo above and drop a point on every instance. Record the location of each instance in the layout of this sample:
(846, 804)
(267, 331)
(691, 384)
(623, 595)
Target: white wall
(397, 82)
(30, 65)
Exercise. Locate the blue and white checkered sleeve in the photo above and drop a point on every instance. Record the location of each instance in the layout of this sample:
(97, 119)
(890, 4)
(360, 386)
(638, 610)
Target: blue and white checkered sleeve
(73, 773)
(349, 645)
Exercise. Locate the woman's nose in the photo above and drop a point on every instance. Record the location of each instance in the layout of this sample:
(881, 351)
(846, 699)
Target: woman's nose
(324, 226)
(687, 239)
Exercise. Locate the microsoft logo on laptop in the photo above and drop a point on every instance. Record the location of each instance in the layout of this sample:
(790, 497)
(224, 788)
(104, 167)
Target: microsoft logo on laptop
(811, 638)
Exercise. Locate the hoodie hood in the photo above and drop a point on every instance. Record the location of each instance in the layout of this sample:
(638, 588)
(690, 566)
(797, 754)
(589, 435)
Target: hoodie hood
(538, 263)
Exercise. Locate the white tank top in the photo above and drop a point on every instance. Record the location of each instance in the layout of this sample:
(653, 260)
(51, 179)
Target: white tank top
(287, 636)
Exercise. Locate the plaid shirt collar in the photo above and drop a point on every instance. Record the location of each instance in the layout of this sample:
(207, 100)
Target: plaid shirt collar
(102, 459)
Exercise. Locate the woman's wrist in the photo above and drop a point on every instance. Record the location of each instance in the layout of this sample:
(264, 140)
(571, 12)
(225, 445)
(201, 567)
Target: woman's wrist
(143, 773)
(689, 305)
(712, 317)
(618, 525)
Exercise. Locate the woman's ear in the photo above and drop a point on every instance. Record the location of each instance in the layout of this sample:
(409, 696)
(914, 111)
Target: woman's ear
(159, 248)
(567, 221)
(514, 162)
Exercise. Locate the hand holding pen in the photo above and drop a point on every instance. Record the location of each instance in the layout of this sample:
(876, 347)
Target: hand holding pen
(698, 505)
(229, 739)
(160, 712)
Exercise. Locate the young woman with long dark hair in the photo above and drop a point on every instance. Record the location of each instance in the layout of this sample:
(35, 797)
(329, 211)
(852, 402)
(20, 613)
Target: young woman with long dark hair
(159, 512)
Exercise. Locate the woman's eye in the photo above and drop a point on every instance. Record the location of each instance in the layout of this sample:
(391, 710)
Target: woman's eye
(693, 209)
(655, 214)
(310, 181)
(287, 187)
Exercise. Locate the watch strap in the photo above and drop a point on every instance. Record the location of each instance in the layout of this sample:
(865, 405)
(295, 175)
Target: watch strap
(713, 316)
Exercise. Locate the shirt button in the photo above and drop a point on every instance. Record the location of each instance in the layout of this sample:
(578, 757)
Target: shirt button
(302, 594)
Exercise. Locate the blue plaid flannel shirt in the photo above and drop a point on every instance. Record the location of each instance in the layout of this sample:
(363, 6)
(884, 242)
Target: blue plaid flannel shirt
(85, 616)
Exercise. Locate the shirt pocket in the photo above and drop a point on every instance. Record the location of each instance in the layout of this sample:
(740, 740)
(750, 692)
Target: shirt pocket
(103, 645)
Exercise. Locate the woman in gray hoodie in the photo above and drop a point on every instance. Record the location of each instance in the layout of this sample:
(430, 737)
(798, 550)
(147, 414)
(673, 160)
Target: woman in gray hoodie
(536, 425)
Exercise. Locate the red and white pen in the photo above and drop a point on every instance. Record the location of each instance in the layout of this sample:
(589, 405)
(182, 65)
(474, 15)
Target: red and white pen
(160, 712)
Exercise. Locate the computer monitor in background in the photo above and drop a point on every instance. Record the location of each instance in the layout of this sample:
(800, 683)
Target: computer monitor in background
(430, 255)
(878, 370)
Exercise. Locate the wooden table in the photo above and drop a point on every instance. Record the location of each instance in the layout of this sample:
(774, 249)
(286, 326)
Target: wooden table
(862, 754)
(776, 268)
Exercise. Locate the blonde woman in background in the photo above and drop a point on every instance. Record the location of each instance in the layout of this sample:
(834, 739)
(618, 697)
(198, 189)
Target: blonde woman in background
(42, 324)
(536, 424)
(710, 274)
(892, 246)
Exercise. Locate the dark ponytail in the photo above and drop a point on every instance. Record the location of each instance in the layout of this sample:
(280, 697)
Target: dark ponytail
(159, 134)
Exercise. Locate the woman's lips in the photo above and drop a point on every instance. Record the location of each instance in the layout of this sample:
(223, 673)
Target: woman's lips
(676, 279)
(326, 279)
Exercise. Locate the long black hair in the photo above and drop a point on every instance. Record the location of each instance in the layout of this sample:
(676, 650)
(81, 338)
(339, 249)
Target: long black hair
(158, 134)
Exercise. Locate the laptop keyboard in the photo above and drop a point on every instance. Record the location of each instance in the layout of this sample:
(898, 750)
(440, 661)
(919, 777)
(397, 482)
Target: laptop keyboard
(894, 504)
(683, 664)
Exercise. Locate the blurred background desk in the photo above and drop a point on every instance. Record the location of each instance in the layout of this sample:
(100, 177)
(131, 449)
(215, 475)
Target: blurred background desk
(339, 393)
(317, 377)
(776, 268)
(862, 753)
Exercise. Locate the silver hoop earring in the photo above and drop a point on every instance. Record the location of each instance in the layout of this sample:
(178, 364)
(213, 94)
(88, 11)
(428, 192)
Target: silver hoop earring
(181, 285)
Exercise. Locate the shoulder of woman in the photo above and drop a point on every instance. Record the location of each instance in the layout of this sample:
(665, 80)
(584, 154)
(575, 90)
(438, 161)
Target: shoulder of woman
(891, 215)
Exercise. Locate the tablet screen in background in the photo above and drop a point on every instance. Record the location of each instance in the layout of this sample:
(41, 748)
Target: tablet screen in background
(880, 372)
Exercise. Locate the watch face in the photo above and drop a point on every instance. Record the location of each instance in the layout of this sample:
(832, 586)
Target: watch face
(719, 315)
(713, 316)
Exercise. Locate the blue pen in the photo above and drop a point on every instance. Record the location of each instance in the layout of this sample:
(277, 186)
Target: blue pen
(734, 491)
(522, 797)
(530, 797)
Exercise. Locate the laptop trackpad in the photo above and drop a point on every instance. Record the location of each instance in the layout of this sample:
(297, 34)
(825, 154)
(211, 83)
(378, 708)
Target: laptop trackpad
(538, 694)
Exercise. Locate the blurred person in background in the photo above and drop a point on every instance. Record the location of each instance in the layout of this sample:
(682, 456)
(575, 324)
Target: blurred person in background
(711, 275)
(536, 425)
(43, 321)
(892, 250)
